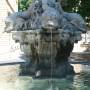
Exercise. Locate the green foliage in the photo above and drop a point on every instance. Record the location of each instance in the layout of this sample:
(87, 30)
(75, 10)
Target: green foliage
(71, 5)
(23, 4)
(80, 6)
(84, 9)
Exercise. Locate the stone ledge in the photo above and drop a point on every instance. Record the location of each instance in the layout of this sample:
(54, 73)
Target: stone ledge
(11, 62)
(11, 58)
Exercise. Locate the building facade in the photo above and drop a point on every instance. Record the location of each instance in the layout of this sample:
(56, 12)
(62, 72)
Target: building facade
(6, 8)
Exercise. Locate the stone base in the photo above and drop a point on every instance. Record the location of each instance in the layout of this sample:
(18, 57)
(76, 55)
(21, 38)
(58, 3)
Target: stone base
(57, 71)
(60, 70)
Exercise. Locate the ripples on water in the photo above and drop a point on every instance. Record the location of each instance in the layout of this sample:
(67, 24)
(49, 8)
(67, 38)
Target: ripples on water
(80, 81)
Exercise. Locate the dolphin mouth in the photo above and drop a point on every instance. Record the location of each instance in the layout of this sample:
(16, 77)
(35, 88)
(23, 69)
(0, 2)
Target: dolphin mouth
(50, 25)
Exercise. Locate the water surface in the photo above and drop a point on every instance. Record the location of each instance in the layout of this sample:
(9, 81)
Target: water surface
(80, 81)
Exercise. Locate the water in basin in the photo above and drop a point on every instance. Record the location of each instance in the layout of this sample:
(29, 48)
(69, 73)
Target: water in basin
(80, 81)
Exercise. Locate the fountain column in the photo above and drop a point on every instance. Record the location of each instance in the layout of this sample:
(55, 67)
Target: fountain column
(46, 35)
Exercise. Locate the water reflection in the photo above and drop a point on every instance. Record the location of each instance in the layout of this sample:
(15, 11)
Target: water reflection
(78, 82)
(81, 81)
(78, 68)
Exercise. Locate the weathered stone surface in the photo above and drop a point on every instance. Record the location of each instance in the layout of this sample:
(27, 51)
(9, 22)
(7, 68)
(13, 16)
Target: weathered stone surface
(57, 71)
(46, 35)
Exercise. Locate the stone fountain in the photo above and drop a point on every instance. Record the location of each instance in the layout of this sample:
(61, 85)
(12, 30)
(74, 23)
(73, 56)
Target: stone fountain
(46, 35)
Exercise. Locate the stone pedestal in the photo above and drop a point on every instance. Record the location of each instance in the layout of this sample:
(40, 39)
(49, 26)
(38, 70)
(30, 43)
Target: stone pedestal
(55, 71)
(47, 55)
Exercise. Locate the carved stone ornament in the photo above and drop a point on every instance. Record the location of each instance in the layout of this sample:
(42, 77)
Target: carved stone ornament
(46, 35)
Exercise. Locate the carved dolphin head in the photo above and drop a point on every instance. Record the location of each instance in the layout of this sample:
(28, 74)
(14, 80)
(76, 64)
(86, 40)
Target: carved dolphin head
(50, 19)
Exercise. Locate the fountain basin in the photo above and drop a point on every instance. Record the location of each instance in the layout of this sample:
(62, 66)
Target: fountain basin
(9, 73)
(10, 68)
